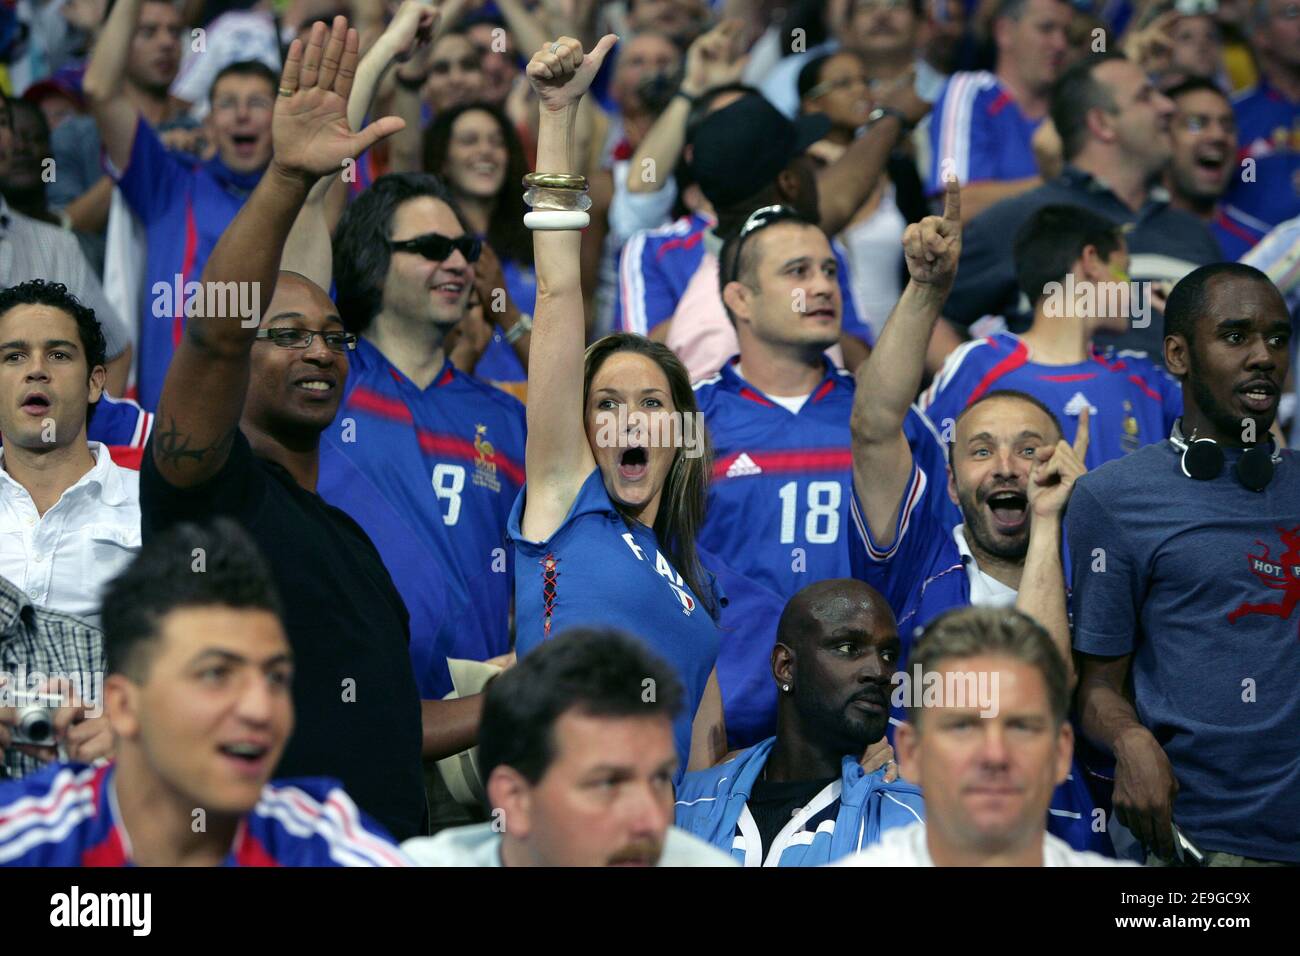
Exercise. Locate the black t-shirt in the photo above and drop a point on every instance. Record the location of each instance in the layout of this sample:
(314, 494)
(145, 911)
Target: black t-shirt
(773, 804)
(356, 707)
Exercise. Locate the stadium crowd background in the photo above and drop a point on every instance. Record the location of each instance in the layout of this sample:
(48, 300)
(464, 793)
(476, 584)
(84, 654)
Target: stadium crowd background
(339, 511)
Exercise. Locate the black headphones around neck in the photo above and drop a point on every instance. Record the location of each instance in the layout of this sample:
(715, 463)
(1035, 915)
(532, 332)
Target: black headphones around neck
(1203, 459)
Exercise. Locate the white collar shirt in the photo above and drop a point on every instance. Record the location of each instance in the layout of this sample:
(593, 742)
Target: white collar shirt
(985, 590)
(64, 558)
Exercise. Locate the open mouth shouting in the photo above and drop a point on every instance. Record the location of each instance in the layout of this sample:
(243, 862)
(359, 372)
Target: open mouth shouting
(633, 464)
(245, 144)
(1009, 509)
(1211, 164)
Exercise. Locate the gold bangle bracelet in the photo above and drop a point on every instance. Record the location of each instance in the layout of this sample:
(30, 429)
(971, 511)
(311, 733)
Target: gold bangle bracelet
(556, 181)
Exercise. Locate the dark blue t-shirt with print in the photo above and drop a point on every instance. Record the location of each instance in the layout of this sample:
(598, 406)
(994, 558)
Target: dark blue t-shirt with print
(1199, 581)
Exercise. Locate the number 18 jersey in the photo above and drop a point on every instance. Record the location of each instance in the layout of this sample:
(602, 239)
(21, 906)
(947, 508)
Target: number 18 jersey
(779, 496)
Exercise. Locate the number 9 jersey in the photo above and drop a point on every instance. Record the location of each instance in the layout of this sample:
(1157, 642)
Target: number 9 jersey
(449, 459)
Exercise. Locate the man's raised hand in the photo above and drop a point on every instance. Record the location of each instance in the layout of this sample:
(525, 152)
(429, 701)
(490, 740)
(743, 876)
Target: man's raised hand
(309, 131)
(1055, 470)
(560, 72)
(933, 245)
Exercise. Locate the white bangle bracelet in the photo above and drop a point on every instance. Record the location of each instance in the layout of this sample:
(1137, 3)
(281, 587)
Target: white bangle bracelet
(555, 219)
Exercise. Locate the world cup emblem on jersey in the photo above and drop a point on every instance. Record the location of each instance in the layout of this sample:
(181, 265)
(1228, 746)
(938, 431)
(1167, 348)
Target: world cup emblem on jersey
(485, 466)
(1129, 441)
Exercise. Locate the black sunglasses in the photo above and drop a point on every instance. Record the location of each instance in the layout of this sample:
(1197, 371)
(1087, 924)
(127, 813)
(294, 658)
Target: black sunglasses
(758, 219)
(436, 248)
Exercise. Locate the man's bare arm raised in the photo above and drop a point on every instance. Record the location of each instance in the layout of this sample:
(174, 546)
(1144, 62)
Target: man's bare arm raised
(887, 383)
(203, 395)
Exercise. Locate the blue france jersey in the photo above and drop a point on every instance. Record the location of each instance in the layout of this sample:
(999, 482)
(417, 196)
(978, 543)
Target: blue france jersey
(599, 570)
(978, 131)
(1131, 401)
(67, 815)
(1267, 135)
(746, 636)
(922, 574)
(449, 459)
(779, 499)
(416, 572)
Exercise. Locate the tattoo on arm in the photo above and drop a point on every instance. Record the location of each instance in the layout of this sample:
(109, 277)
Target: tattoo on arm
(172, 446)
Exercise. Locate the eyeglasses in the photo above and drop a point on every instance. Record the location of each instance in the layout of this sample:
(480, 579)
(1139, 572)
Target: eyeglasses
(302, 339)
(759, 219)
(436, 248)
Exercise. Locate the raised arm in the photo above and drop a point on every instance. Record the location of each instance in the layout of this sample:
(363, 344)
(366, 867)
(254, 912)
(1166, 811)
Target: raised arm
(558, 458)
(105, 82)
(203, 395)
(844, 186)
(1042, 584)
(308, 250)
(715, 58)
(887, 383)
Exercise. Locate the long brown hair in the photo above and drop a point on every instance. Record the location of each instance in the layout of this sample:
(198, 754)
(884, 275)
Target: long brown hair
(685, 492)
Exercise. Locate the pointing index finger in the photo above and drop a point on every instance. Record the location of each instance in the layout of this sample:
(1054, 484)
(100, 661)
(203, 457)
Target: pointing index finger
(1081, 436)
(952, 201)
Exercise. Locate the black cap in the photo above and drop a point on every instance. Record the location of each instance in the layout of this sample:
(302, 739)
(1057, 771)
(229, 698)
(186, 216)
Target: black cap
(741, 148)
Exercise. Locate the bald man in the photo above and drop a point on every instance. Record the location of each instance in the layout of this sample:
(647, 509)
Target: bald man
(802, 798)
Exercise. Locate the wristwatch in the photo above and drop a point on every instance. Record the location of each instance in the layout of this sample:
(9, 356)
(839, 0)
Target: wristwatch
(880, 112)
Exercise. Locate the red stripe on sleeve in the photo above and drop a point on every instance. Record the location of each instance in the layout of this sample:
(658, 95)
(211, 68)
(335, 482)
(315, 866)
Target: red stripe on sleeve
(1009, 364)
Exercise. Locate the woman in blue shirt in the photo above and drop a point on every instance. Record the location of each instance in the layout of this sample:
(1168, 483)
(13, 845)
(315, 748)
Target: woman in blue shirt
(605, 529)
(475, 151)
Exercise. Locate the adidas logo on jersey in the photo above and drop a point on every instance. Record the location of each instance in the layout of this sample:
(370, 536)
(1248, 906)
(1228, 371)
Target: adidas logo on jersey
(1078, 403)
(742, 466)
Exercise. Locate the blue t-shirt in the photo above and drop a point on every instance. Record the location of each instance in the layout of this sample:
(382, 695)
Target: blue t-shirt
(184, 207)
(449, 459)
(1267, 134)
(1198, 581)
(978, 131)
(597, 569)
(1131, 401)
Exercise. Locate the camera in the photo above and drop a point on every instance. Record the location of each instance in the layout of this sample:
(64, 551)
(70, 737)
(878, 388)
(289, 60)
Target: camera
(35, 724)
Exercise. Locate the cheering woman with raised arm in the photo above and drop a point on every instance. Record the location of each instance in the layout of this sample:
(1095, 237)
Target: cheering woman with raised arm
(605, 528)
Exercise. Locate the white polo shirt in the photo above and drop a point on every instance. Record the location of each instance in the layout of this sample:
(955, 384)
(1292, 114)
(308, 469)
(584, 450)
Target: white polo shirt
(906, 846)
(64, 558)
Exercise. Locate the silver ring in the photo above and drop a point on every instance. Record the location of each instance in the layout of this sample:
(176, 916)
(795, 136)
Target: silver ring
(555, 47)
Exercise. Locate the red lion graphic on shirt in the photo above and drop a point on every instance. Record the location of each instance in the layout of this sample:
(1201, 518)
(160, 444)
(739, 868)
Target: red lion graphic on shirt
(1280, 574)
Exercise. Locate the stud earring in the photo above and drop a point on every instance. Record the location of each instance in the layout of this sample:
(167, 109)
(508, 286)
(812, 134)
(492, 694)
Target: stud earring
(786, 688)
